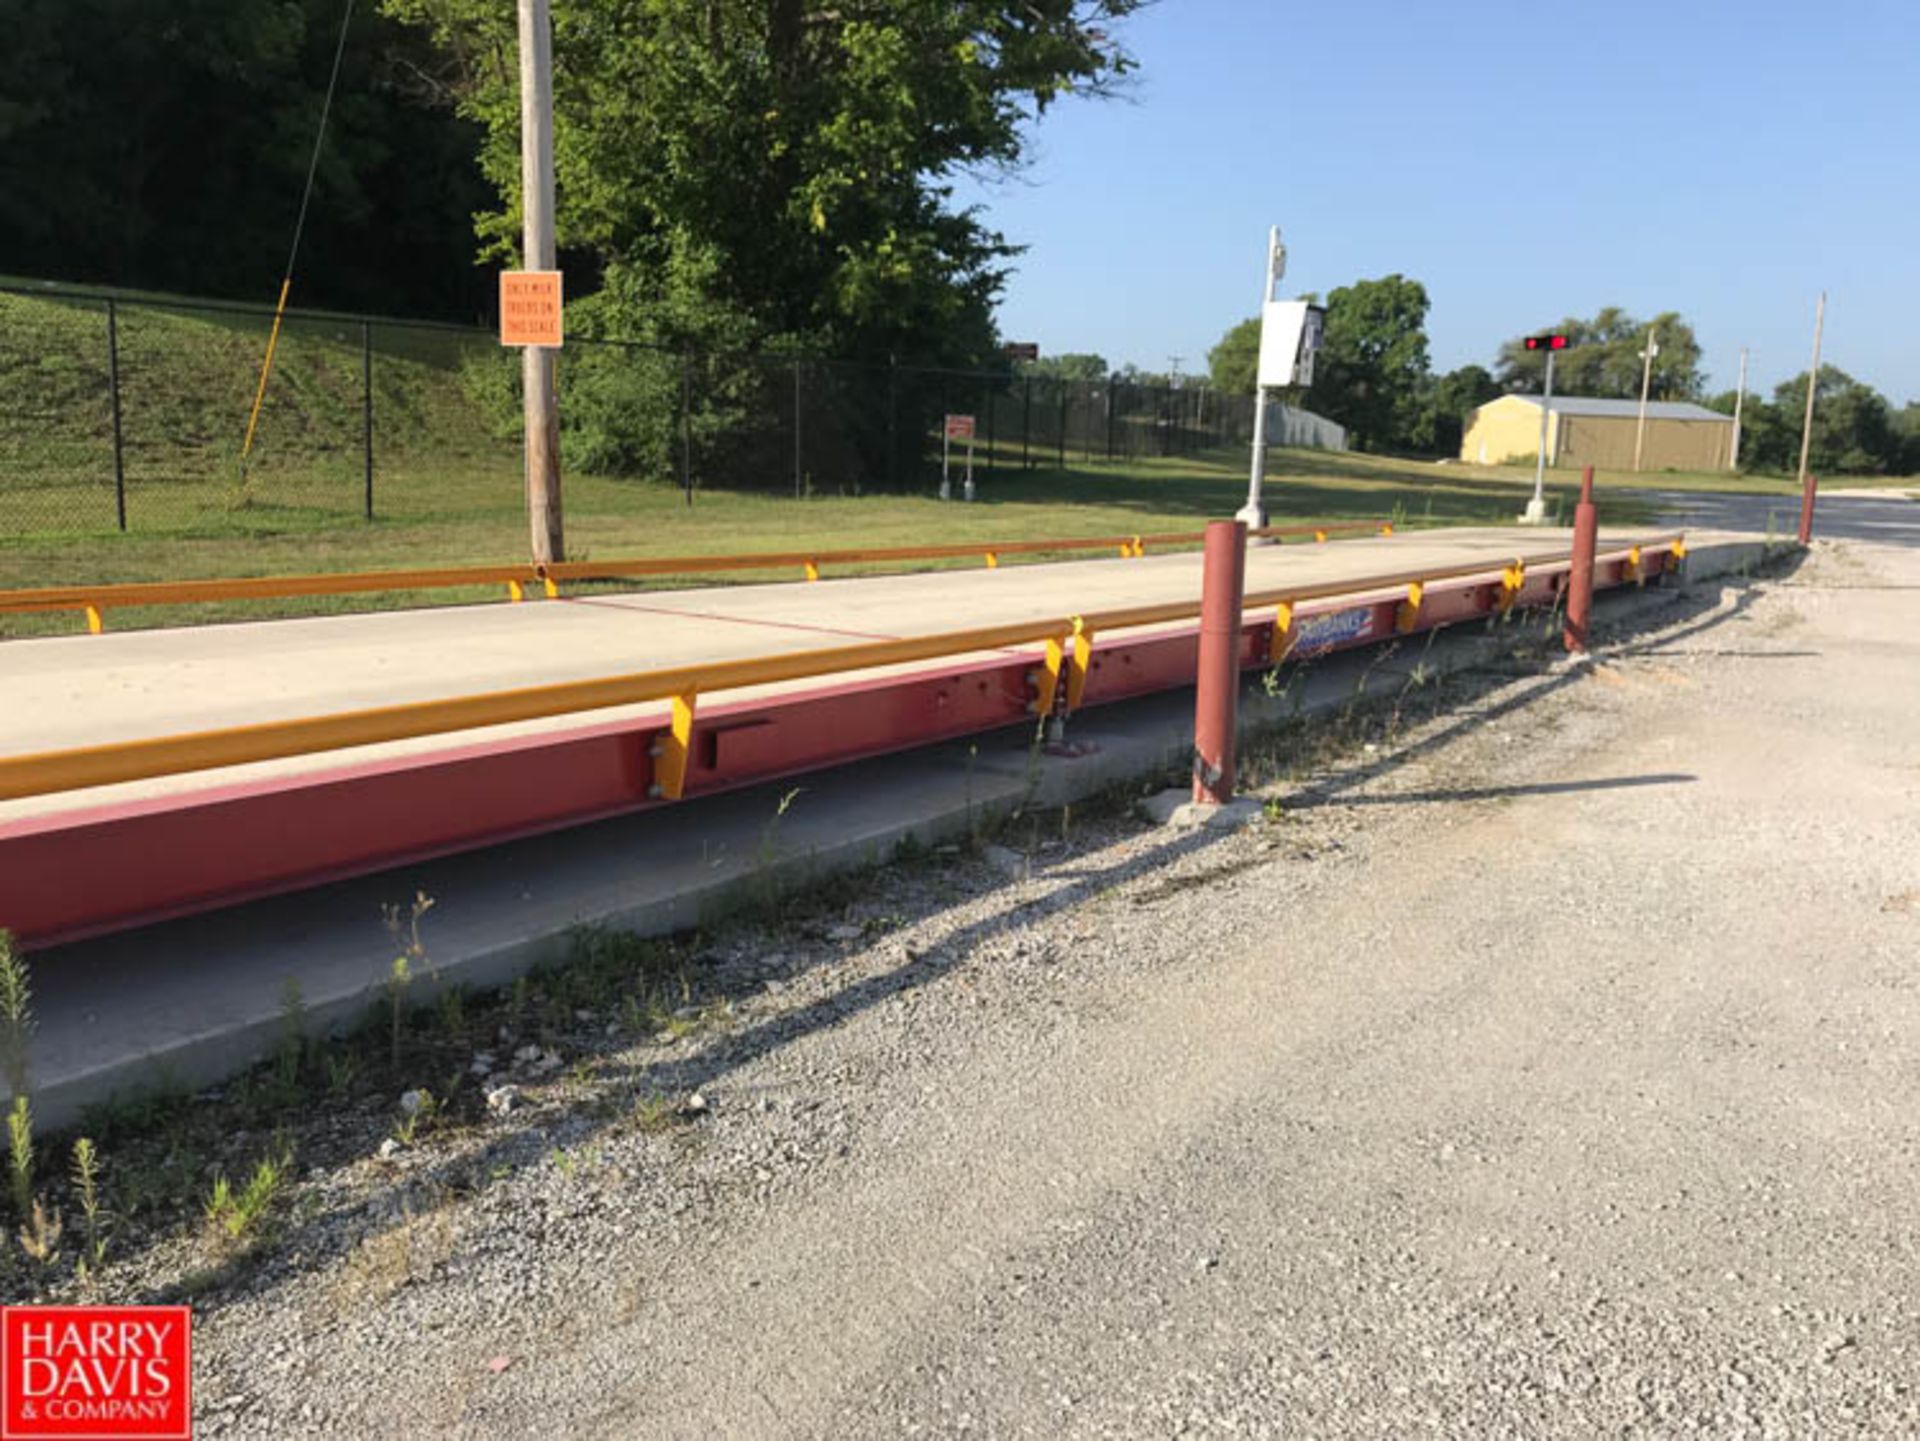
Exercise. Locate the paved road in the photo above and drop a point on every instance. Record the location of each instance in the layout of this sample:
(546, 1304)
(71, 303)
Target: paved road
(1548, 1071)
(1886, 518)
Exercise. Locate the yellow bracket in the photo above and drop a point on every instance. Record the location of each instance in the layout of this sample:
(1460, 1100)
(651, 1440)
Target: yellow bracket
(1139, 548)
(553, 591)
(813, 571)
(515, 591)
(993, 561)
(1387, 528)
(1511, 579)
(1634, 572)
(1050, 674)
(1408, 612)
(670, 752)
(1081, 663)
(1320, 537)
(94, 623)
(1679, 549)
(1282, 633)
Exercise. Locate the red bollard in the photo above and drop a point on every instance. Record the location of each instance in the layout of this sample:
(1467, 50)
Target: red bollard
(1806, 508)
(1586, 535)
(1216, 711)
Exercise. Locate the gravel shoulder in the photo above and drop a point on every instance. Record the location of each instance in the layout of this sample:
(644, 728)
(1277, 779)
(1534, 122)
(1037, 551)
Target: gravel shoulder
(1543, 1065)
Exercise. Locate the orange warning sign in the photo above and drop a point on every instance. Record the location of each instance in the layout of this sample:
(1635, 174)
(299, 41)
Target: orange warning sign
(530, 307)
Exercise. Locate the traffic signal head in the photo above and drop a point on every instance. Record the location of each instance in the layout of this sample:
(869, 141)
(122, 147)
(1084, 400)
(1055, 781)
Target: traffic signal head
(1546, 342)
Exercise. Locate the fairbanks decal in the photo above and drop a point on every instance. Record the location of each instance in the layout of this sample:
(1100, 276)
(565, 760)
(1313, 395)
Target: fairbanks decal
(1324, 632)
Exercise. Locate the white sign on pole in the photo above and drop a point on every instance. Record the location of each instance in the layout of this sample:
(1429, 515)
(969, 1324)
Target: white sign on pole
(1290, 333)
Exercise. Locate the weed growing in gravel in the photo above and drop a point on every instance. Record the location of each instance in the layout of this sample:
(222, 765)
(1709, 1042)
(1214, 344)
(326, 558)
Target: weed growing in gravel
(765, 888)
(40, 1233)
(399, 979)
(236, 1217)
(340, 1068)
(16, 1015)
(453, 1013)
(424, 1108)
(654, 1113)
(86, 1184)
(20, 1155)
(404, 927)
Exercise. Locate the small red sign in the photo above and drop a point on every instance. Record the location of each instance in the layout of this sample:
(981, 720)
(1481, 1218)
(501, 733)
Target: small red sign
(959, 427)
(96, 1373)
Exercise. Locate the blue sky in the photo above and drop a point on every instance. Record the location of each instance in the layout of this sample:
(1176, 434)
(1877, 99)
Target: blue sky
(1525, 162)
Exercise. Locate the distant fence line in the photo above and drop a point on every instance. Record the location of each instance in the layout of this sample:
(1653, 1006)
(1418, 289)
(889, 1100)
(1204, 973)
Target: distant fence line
(124, 413)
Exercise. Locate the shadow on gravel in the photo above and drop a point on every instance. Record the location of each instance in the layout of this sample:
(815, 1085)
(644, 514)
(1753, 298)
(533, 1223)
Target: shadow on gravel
(1543, 788)
(1655, 633)
(324, 1235)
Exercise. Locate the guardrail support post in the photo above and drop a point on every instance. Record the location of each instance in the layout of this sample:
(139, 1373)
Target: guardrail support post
(1586, 532)
(1216, 711)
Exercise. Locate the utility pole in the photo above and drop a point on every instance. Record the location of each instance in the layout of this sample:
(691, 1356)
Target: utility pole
(1739, 400)
(1646, 382)
(1254, 512)
(1807, 482)
(541, 407)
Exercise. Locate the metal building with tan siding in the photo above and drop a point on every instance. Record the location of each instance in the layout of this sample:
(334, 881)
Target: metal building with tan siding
(1680, 435)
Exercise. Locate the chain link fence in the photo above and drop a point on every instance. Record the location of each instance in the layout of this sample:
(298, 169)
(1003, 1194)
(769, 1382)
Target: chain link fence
(127, 414)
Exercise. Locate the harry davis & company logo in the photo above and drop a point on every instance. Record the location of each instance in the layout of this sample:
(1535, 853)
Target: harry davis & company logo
(96, 1373)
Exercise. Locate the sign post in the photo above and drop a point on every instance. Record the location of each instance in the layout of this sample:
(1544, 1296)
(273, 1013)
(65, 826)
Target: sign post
(957, 427)
(1536, 511)
(540, 399)
(1290, 332)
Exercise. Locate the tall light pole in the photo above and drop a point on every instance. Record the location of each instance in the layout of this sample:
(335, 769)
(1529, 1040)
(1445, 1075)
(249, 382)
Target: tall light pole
(1739, 400)
(1254, 512)
(1646, 382)
(540, 404)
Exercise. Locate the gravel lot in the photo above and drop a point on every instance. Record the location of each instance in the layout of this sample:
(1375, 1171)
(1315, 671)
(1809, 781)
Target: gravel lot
(1547, 1068)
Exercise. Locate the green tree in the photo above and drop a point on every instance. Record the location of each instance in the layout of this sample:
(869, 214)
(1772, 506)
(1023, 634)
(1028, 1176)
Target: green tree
(1855, 430)
(1853, 426)
(1603, 358)
(1448, 401)
(767, 173)
(1907, 423)
(1373, 366)
(1069, 366)
(1234, 362)
(165, 147)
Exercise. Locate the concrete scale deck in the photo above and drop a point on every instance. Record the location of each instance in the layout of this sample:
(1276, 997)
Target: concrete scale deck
(88, 690)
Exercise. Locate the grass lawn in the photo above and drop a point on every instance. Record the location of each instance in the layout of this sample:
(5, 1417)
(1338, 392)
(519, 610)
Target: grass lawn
(606, 518)
(447, 481)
